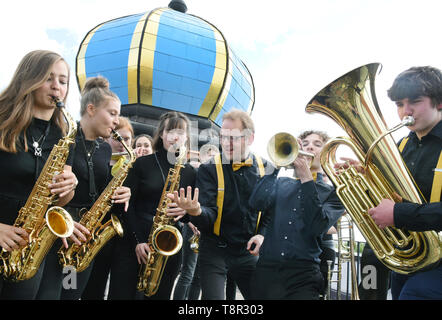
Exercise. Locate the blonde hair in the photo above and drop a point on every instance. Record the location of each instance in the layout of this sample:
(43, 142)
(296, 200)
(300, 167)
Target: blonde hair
(17, 100)
(96, 90)
(246, 120)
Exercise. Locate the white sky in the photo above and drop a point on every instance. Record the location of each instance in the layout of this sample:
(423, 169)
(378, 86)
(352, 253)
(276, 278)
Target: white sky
(292, 48)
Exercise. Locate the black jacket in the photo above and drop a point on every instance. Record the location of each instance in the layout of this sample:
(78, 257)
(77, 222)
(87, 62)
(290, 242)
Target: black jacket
(421, 158)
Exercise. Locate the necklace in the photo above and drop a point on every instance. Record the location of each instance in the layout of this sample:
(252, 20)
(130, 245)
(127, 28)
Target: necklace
(36, 144)
(89, 153)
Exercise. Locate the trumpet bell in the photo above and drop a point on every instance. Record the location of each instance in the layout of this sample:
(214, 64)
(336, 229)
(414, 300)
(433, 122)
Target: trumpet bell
(283, 149)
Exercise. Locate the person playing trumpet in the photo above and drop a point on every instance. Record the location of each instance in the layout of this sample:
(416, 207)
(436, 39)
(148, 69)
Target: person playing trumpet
(301, 210)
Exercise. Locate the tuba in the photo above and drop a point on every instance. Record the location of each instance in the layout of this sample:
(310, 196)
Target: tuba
(80, 256)
(351, 102)
(42, 225)
(164, 239)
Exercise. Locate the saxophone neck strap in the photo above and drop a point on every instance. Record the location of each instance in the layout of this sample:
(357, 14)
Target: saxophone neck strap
(436, 189)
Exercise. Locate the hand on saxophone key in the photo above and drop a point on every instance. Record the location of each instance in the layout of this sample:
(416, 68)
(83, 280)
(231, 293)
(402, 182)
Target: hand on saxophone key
(12, 238)
(80, 235)
(186, 202)
(142, 251)
(174, 211)
(122, 195)
(63, 183)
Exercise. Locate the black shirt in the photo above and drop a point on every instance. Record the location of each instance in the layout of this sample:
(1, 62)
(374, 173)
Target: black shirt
(146, 180)
(300, 214)
(239, 220)
(101, 153)
(18, 171)
(421, 158)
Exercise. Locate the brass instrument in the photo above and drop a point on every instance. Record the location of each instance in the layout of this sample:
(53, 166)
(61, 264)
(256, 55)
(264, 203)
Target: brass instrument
(283, 149)
(346, 249)
(42, 225)
(164, 239)
(351, 102)
(195, 243)
(80, 256)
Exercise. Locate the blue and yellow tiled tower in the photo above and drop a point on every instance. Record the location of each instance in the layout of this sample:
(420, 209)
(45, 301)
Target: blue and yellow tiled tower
(166, 59)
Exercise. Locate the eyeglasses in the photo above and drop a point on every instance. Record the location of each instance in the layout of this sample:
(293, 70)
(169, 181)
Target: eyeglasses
(230, 139)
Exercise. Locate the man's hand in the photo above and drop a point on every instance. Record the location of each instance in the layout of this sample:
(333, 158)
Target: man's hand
(254, 244)
(383, 214)
(185, 202)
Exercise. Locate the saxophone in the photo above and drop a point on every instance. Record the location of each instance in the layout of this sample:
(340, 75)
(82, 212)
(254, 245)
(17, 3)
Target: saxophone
(80, 256)
(164, 239)
(42, 225)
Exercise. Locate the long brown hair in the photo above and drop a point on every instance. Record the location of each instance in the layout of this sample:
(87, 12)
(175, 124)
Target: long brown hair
(17, 100)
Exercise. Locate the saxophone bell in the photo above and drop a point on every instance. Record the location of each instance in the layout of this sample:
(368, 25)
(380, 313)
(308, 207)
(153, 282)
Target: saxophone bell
(167, 240)
(59, 222)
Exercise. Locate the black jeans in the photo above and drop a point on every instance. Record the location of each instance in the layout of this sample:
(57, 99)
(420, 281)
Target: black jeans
(124, 274)
(188, 267)
(215, 260)
(52, 287)
(22, 290)
(291, 280)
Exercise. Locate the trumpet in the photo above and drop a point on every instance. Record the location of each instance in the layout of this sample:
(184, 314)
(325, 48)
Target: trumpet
(283, 148)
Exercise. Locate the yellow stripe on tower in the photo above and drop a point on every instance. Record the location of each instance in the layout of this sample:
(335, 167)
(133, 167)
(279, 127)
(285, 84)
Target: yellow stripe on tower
(147, 56)
(224, 93)
(132, 64)
(218, 75)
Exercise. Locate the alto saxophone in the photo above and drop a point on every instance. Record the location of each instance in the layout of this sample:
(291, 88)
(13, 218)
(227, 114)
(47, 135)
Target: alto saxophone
(164, 239)
(80, 256)
(42, 225)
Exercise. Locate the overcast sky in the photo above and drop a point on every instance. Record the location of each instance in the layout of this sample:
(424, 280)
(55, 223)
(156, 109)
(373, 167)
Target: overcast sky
(292, 48)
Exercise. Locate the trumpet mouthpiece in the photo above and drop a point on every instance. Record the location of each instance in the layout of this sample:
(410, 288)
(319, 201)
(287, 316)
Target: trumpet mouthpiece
(408, 121)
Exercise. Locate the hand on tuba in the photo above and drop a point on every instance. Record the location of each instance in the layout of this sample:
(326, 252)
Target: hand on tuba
(349, 162)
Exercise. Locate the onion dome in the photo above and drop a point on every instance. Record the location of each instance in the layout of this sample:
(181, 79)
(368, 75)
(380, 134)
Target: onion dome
(166, 59)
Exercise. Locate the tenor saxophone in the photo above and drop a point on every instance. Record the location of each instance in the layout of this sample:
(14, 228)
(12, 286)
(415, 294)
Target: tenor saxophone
(80, 256)
(164, 239)
(42, 225)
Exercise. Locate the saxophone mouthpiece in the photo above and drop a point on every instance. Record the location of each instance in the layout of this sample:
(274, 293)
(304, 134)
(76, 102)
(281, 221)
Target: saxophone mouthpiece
(116, 135)
(58, 102)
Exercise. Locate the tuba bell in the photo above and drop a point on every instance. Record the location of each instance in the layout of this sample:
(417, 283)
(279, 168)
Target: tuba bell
(351, 102)
(283, 149)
